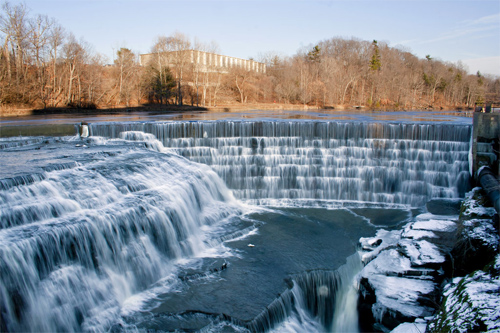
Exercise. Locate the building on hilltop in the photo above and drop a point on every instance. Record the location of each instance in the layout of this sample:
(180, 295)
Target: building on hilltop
(207, 62)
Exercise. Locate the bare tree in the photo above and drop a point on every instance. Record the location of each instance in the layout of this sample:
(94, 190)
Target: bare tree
(74, 54)
(40, 65)
(56, 40)
(160, 50)
(93, 81)
(39, 40)
(196, 68)
(211, 72)
(14, 26)
(126, 68)
(244, 81)
(180, 55)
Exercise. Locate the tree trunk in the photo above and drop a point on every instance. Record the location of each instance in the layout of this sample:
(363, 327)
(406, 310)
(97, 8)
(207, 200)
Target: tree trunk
(55, 76)
(240, 90)
(345, 91)
(204, 95)
(7, 58)
(216, 89)
(79, 91)
(70, 84)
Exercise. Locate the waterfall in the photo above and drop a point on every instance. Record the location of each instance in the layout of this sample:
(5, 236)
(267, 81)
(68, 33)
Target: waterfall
(369, 162)
(79, 238)
(317, 301)
(97, 221)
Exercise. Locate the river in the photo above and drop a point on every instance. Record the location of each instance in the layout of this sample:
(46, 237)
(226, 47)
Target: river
(209, 221)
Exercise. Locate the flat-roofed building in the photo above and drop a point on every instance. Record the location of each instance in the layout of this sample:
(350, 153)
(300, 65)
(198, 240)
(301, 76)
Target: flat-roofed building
(206, 61)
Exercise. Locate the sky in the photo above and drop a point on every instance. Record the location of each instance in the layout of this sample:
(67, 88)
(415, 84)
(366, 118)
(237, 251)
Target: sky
(449, 30)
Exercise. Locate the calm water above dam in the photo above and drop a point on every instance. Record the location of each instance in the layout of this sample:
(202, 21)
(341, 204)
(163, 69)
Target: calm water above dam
(58, 124)
(217, 221)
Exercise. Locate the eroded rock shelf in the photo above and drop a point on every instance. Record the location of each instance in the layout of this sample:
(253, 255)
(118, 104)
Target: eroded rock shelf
(424, 276)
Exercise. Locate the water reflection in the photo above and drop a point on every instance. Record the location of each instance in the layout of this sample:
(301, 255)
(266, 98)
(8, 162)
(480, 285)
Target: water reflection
(11, 126)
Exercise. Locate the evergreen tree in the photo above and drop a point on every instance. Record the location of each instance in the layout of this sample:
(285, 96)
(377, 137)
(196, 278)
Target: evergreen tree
(314, 54)
(375, 63)
(161, 85)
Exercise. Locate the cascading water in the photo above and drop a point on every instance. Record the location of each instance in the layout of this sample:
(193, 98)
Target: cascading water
(78, 241)
(368, 162)
(117, 231)
(317, 301)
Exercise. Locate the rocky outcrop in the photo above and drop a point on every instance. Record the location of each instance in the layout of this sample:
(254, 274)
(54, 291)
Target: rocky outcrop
(401, 279)
(477, 237)
(401, 285)
(471, 302)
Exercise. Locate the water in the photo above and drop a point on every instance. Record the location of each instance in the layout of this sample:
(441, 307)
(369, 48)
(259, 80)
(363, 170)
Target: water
(215, 225)
(367, 162)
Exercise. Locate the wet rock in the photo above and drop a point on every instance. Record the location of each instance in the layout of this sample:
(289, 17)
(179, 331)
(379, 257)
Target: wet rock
(400, 284)
(403, 272)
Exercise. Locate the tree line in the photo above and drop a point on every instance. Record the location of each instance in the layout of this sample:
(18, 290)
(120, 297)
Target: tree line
(42, 65)
(354, 72)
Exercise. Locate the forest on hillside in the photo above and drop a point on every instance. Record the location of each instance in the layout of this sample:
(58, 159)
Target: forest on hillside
(44, 66)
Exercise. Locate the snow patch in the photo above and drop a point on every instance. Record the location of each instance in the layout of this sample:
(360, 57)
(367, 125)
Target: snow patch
(484, 230)
(472, 303)
(474, 207)
(429, 216)
(435, 225)
(480, 211)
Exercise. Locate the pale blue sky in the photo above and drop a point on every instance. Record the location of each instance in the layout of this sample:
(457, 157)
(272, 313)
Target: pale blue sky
(450, 30)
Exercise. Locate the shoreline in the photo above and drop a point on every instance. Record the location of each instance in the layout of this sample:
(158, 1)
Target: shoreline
(21, 112)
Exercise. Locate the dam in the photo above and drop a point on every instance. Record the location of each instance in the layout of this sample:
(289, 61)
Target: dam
(241, 224)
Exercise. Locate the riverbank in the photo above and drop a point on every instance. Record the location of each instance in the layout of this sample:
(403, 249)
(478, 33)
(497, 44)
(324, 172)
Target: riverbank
(18, 112)
(29, 111)
(441, 273)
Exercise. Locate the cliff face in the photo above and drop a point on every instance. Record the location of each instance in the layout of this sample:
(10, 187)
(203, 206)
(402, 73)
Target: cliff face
(406, 270)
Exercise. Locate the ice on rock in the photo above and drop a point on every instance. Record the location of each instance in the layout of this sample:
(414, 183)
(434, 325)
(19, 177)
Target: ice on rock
(388, 262)
(401, 269)
(435, 225)
(430, 216)
(416, 327)
(418, 234)
(422, 252)
(372, 246)
(483, 230)
(472, 303)
(401, 295)
(427, 224)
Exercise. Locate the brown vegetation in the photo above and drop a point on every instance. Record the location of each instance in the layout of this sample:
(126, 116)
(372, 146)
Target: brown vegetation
(41, 66)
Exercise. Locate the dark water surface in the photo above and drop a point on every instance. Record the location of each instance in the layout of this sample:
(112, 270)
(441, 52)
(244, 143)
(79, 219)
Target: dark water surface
(58, 124)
